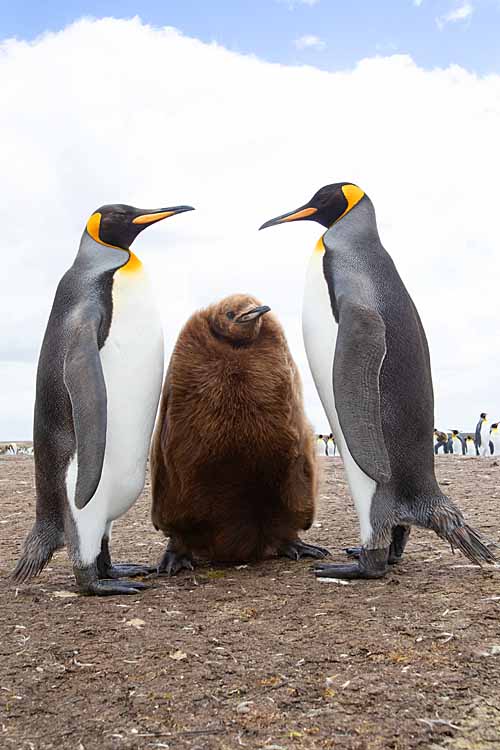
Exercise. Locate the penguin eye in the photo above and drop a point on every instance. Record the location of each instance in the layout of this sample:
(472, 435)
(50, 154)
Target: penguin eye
(230, 315)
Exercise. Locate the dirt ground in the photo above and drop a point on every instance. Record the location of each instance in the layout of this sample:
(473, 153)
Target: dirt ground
(260, 656)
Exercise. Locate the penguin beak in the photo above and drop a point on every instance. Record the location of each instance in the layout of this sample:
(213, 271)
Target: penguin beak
(252, 314)
(151, 217)
(305, 212)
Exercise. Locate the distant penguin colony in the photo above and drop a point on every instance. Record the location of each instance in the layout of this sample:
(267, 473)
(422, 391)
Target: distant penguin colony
(355, 308)
(247, 489)
(98, 384)
(231, 372)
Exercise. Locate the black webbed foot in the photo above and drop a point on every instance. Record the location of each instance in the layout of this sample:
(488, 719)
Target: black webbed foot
(126, 570)
(298, 549)
(400, 536)
(90, 584)
(372, 563)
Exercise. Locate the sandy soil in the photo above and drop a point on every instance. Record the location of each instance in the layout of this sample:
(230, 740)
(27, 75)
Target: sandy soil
(262, 656)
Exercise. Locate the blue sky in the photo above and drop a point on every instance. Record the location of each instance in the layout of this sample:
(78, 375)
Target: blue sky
(330, 34)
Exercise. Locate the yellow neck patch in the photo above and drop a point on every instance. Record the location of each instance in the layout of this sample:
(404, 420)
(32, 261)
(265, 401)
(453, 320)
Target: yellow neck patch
(353, 195)
(133, 264)
(320, 246)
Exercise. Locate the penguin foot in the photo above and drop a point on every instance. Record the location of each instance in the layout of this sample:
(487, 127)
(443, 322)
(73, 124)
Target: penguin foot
(172, 562)
(126, 570)
(372, 563)
(90, 584)
(297, 549)
(112, 587)
(400, 536)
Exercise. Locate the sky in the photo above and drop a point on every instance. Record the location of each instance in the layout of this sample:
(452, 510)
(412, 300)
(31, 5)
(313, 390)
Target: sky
(244, 112)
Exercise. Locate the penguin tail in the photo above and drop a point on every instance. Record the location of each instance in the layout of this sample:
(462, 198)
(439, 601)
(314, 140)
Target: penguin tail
(448, 522)
(38, 548)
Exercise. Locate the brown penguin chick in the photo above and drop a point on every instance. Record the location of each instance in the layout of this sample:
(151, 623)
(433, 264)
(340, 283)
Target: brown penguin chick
(245, 489)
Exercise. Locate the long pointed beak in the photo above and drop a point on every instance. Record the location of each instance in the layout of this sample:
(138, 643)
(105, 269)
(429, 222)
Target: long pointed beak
(157, 214)
(299, 213)
(252, 314)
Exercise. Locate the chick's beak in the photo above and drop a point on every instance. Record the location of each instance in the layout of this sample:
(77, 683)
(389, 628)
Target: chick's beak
(252, 314)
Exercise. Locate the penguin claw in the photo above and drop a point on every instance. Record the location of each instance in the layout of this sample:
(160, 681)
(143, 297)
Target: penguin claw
(297, 549)
(352, 551)
(172, 562)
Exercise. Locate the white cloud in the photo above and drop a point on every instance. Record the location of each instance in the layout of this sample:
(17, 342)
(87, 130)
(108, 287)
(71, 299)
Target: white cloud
(309, 41)
(462, 12)
(294, 3)
(418, 3)
(115, 111)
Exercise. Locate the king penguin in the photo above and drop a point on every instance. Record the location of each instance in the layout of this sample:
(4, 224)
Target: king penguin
(470, 446)
(483, 436)
(458, 443)
(495, 438)
(370, 362)
(98, 385)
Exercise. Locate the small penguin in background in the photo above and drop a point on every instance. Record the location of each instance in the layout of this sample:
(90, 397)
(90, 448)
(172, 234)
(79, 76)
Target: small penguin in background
(321, 446)
(483, 436)
(495, 438)
(231, 371)
(470, 446)
(98, 385)
(369, 358)
(458, 443)
(330, 445)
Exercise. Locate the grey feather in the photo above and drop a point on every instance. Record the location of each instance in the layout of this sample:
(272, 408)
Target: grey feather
(359, 354)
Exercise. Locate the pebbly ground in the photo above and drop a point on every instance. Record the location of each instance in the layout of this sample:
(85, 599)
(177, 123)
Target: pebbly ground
(260, 656)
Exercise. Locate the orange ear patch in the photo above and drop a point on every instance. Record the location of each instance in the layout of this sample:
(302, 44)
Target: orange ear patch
(353, 195)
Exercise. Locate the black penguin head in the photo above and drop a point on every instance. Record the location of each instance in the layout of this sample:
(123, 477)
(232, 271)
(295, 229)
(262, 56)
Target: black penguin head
(454, 432)
(320, 437)
(483, 415)
(117, 225)
(237, 319)
(326, 206)
(494, 425)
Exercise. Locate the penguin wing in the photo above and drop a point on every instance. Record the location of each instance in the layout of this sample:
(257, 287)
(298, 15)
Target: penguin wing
(359, 354)
(84, 381)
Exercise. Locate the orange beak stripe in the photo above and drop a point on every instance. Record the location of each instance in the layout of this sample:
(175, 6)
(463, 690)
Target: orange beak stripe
(300, 214)
(148, 218)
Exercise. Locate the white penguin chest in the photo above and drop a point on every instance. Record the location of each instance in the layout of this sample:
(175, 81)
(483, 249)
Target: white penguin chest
(132, 363)
(320, 336)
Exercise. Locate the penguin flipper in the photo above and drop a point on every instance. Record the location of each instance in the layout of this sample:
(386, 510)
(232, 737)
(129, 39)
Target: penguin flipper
(359, 353)
(84, 381)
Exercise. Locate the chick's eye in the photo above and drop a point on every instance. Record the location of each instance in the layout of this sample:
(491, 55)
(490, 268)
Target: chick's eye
(230, 315)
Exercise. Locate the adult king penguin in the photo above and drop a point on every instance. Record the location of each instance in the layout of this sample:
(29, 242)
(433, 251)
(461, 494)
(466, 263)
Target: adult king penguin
(98, 385)
(482, 438)
(369, 358)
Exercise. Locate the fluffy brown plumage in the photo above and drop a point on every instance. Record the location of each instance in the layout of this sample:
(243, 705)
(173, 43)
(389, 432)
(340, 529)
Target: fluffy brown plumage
(233, 461)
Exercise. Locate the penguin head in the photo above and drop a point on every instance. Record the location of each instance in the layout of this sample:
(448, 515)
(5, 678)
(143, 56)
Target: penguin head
(483, 415)
(237, 319)
(454, 432)
(117, 225)
(327, 206)
(494, 426)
